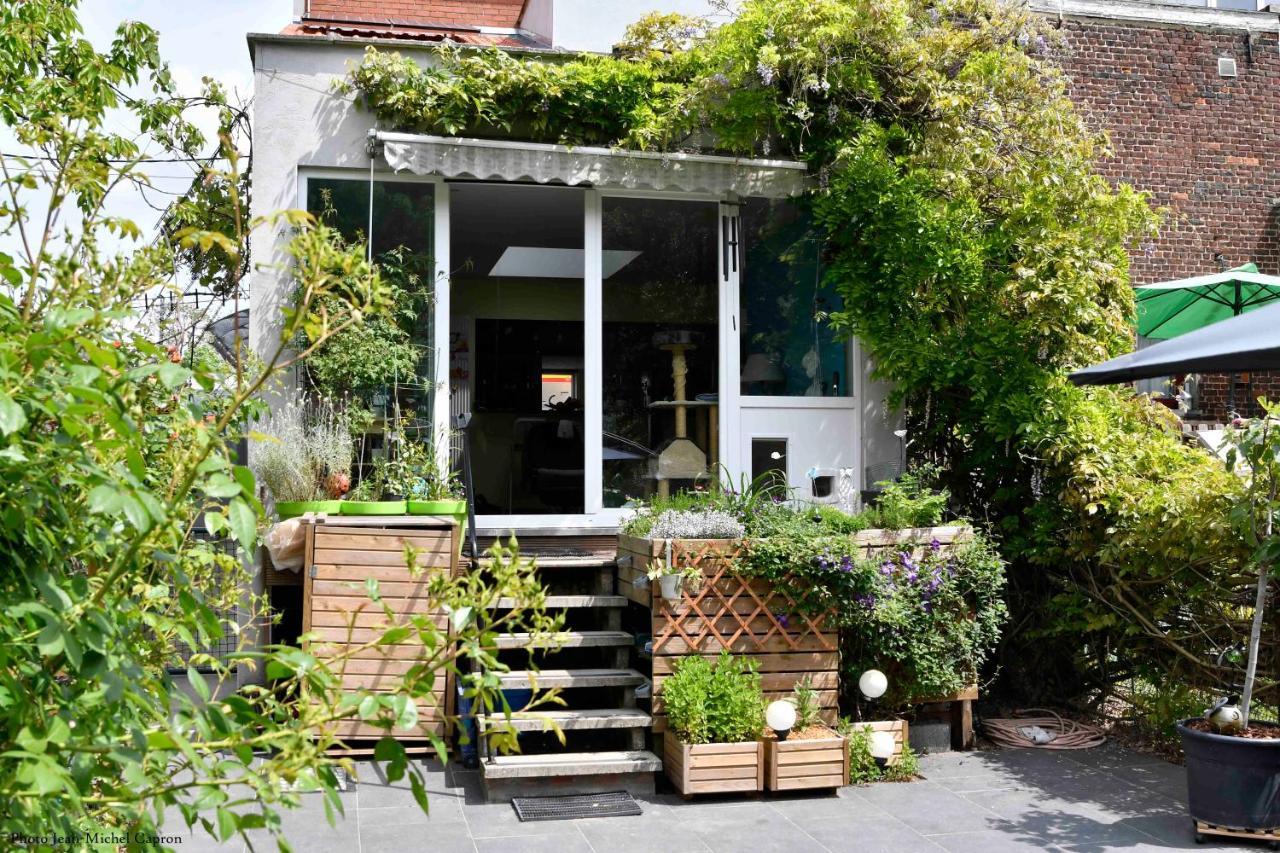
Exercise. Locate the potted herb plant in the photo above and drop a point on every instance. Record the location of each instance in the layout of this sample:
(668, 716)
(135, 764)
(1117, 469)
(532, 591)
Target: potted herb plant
(1232, 759)
(304, 458)
(715, 717)
(800, 750)
(673, 580)
(435, 489)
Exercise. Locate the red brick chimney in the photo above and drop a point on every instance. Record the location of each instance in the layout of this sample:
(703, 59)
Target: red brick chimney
(501, 14)
(485, 22)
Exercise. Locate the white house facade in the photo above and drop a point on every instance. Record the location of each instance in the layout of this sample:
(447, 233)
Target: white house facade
(616, 324)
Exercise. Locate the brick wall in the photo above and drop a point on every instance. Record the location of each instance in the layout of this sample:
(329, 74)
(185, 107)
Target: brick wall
(474, 13)
(1205, 147)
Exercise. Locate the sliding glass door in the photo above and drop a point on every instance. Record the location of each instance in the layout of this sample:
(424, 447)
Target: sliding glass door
(660, 307)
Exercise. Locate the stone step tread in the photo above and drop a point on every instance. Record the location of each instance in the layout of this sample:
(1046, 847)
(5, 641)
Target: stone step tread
(571, 764)
(569, 678)
(572, 720)
(567, 601)
(560, 562)
(565, 640)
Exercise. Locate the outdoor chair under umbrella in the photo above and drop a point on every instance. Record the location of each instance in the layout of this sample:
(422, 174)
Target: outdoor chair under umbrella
(1173, 308)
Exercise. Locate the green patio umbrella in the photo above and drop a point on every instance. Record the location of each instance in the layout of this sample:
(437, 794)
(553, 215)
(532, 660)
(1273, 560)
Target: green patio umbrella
(1172, 308)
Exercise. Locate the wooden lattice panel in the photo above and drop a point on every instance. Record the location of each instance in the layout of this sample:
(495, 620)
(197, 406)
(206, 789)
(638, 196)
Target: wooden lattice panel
(340, 556)
(747, 616)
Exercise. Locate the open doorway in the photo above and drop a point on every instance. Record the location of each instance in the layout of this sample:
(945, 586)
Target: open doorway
(516, 343)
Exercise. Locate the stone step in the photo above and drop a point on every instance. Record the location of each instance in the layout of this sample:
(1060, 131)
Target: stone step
(566, 640)
(551, 562)
(570, 678)
(570, 764)
(556, 602)
(572, 720)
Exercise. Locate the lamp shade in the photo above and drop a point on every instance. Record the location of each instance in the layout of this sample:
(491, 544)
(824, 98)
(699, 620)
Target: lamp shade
(881, 745)
(760, 368)
(780, 716)
(873, 683)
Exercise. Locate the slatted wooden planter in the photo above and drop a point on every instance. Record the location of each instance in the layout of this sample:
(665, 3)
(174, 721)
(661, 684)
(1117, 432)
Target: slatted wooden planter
(796, 765)
(341, 554)
(897, 728)
(713, 768)
(747, 616)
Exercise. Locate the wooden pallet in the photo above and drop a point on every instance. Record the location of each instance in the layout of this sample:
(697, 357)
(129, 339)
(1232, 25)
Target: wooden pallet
(1271, 836)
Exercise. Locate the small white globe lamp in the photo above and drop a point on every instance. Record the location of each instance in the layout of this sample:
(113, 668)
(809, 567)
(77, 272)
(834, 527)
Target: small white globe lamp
(781, 717)
(881, 745)
(873, 683)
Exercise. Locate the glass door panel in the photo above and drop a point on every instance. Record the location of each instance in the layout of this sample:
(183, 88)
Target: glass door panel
(660, 307)
(516, 343)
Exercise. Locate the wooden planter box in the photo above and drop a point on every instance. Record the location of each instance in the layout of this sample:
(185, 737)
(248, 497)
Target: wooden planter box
(733, 611)
(897, 728)
(341, 553)
(713, 768)
(794, 765)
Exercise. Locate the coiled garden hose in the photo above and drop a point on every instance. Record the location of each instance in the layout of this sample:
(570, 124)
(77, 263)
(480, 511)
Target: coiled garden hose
(1064, 734)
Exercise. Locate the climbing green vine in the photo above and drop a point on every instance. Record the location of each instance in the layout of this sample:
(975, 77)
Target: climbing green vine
(980, 256)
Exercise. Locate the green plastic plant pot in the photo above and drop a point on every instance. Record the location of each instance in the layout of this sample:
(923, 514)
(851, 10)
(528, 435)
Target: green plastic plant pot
(449, 507)
(373, 508)
(293, 509)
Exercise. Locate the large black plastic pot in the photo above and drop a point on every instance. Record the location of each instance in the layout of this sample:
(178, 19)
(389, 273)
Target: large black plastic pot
(1233, 782)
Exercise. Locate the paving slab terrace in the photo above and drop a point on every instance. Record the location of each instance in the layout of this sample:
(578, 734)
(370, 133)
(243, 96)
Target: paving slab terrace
(989, 801)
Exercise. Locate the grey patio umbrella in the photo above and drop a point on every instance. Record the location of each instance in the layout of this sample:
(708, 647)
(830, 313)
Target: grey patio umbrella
(1248, 342)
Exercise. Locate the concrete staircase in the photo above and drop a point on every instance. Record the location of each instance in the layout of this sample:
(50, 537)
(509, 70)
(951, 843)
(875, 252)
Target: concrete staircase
(605, 733)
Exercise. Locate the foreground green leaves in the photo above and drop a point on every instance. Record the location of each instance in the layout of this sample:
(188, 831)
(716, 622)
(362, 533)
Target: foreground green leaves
(116, 449)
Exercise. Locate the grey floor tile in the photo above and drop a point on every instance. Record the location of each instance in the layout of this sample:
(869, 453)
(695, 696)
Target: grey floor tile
(382, 838)
(568, 840)
(989, 841)
(498, 820)
(929, 808)
(867, 835)
(648, 833)
(732, 830)
(846, 803)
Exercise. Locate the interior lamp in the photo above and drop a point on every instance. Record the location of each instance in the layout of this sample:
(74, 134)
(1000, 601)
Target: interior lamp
(781, 717)
(759, 368)
(881, 746)
(873, 683)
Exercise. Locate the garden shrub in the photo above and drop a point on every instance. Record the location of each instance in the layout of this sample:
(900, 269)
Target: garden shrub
(980, 256)
(714, 701)
(863, 769)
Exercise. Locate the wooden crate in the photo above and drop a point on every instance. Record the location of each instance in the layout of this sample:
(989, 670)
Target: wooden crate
(730, 611)
(897, 728)
(341, 554)
(713, 768)
(794, 765)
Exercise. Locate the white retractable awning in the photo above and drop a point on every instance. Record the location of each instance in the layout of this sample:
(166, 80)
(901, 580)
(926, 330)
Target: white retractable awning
(485, 159)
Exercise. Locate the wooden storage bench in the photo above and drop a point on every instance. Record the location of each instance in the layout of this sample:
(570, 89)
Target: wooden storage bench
(341, 554)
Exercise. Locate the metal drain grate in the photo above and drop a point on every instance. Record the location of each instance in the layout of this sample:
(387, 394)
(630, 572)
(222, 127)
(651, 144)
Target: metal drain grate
(613, 804)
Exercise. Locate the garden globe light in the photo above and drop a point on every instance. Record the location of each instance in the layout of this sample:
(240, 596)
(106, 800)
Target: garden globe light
(881, 745)
(873, 684)
(780, 716)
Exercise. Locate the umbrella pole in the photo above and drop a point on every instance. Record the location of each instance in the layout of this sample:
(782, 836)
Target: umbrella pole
(1231, 396)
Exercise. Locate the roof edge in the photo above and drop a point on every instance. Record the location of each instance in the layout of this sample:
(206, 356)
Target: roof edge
(1154, 14)
(255, 39)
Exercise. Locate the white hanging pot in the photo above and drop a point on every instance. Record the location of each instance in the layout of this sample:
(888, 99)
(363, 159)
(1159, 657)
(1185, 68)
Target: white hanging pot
(670, 586)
